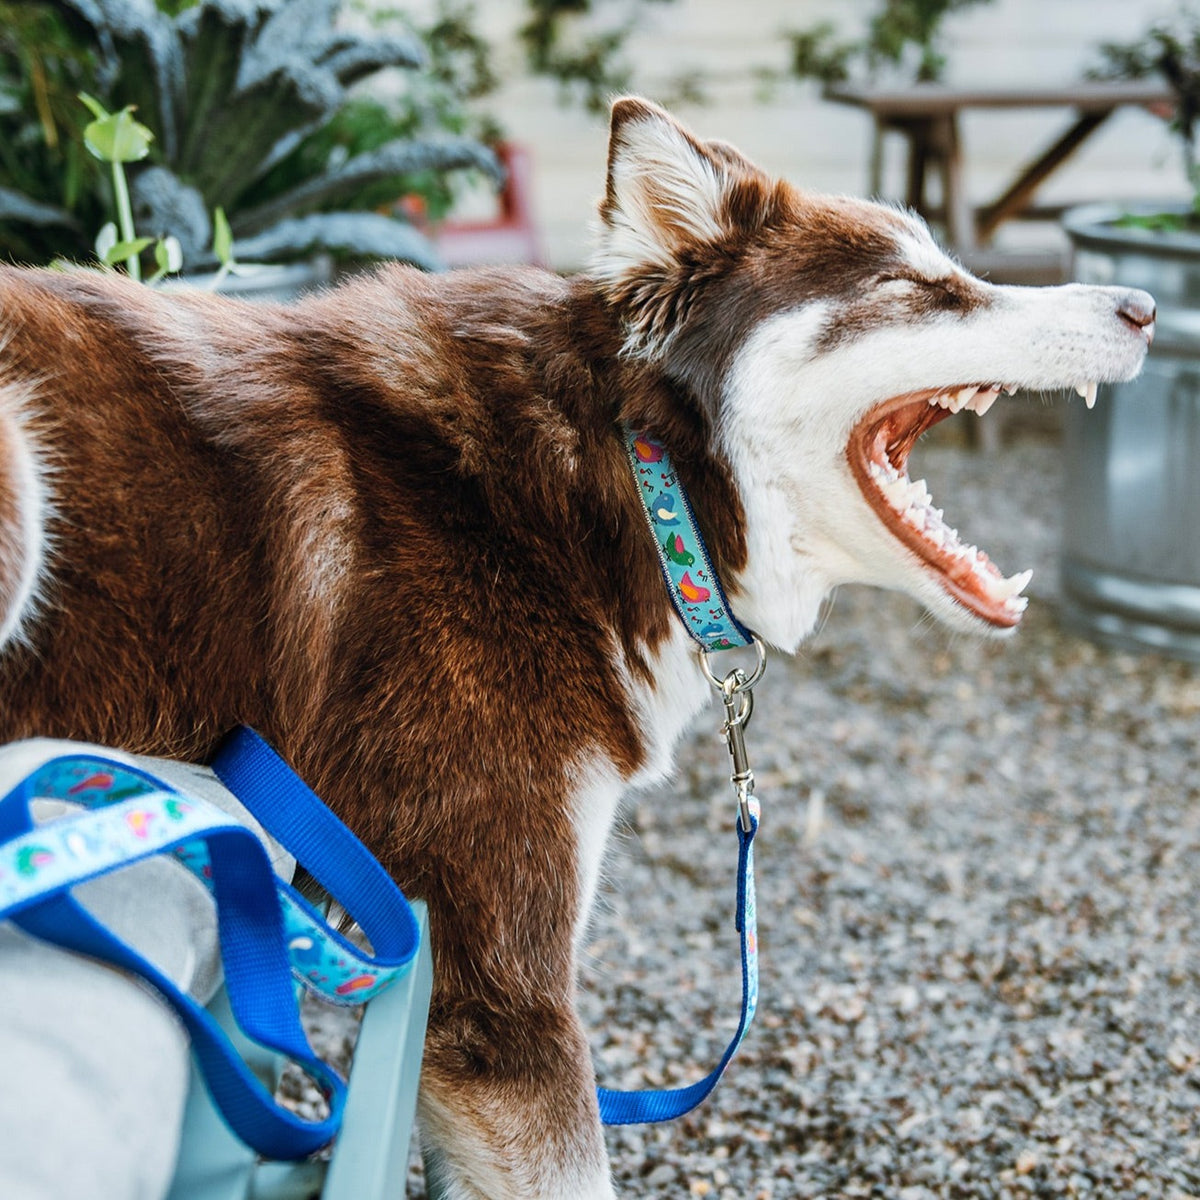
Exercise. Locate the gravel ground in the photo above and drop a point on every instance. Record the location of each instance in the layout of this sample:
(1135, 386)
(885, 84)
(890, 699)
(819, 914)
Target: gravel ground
(976, 882)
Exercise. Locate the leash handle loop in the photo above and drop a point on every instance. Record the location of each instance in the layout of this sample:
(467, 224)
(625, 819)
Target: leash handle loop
(643, 1107)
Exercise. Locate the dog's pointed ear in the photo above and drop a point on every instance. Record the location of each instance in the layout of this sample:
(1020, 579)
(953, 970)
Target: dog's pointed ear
(668, 192)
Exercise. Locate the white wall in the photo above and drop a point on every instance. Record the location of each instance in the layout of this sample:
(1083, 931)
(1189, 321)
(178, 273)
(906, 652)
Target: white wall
(826, 146)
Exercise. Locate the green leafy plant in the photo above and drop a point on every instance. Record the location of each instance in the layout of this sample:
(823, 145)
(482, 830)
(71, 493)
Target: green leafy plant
(1170, 50)
(52, 190)
(117, 139)
(231, 90)
(902, 35)
(433, 102)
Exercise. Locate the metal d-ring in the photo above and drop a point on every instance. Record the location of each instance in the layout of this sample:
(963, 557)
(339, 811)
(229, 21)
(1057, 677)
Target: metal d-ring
(741, 681)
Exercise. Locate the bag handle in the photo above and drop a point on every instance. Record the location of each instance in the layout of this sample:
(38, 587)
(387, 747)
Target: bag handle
(266, 929)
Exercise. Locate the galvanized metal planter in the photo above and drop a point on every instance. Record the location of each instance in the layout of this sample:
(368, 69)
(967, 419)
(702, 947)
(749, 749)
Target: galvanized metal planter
(1131, 532)
(282, 282)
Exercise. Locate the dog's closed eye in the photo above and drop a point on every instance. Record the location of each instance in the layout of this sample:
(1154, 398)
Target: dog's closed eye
(948, 293)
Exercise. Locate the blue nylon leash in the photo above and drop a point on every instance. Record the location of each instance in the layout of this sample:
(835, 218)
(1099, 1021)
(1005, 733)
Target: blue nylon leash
(665, 1104)
(267, 931)
(700, 603)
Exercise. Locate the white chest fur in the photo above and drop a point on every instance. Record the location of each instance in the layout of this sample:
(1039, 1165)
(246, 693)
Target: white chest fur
(663, 709)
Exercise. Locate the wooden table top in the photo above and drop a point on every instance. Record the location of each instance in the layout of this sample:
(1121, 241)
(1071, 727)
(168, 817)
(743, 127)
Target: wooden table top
(935, 99)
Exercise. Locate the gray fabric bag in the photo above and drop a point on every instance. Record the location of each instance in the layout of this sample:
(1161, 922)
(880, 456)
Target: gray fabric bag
(96, 1065)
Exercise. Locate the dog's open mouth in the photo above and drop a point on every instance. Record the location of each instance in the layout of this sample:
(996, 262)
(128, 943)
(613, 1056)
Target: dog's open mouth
(878, 451)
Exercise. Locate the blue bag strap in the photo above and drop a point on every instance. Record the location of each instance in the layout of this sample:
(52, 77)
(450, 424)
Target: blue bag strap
(39, 866)
(665, 1104)
(321, 958)
(266, 929)
(292, 813)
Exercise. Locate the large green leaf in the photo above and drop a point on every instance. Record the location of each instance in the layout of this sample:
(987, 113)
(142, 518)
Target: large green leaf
(396, 159)
(297, 26)
(214, 41)
(238, 148)
(163, 203)
(351, 63)
(16, 207)
(357, 235)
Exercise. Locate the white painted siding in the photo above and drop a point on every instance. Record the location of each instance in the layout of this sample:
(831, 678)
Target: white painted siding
(826, 146)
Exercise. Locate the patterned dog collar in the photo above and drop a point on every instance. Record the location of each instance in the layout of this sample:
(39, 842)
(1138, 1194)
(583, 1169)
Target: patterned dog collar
(686, 566)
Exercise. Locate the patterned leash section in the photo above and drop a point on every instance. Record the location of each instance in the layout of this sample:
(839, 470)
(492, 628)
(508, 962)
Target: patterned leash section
(700, 603)
(145, 813)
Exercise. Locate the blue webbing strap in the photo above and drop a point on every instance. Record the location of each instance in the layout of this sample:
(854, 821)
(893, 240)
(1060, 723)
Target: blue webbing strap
(635, 1108)
(140, 815)
(295, 816)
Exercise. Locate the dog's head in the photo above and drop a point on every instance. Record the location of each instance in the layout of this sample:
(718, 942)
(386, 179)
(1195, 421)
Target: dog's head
(821, 336)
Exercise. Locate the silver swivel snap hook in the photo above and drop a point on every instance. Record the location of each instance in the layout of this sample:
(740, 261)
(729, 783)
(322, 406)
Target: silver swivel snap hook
(737, 697)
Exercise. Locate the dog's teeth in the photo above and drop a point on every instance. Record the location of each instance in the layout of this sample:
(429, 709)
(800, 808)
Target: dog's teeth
(884, 474)
(963, 397)
(1089, 395)
(984, 400)
(1081, 389)
(896, 491)
(1010, 389)
(1014, 585)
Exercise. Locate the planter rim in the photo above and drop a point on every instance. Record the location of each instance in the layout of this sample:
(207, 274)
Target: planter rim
(260, 280)
(1092, 226)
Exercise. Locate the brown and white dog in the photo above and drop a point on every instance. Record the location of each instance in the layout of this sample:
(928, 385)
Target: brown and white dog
(393, 528)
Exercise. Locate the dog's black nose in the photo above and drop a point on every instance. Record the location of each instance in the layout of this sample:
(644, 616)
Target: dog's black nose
(1137, 308)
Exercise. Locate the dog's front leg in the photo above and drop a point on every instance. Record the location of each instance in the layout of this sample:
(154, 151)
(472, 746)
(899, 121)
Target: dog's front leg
(508, 1107)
